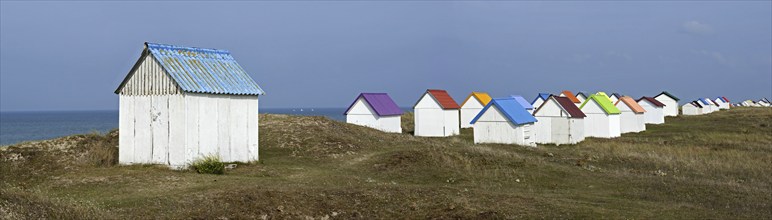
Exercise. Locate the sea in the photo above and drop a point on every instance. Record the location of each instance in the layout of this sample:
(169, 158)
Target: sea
(16, 127)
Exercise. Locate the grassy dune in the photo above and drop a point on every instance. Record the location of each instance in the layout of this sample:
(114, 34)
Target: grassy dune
(716, 166)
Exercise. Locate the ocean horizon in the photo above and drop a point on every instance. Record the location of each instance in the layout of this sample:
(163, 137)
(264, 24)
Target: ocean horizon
(21, 126)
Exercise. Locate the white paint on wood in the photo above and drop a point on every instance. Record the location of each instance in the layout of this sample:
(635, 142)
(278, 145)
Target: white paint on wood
(126, 130)
(361, 113)
(224, 123)
(654, 114)
(433, 121)
(671, 105)
(469, 110)
(159, 124)
(177, 131)
(554, 125)
(252, 129)
(598, 123)
(143, 147)
(629, 121)
(494, 127)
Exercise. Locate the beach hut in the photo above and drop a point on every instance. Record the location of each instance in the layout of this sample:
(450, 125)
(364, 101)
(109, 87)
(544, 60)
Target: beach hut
(539, 100)
(691, 108)
(581, 96)
(707, 107)
(654, 110)
(713, 105)
(614, 97)
(602, 117)
(764, 102)
(504, 121)
(375, 110)
(722, 104)
(175, 107)
(749, 103)
(527, 105)
(632, 117)
(436, 114)
(670, 102)
(471, 106)
(559, 121)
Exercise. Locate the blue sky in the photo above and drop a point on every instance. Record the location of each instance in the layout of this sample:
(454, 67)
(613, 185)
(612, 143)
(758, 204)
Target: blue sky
(72, 55)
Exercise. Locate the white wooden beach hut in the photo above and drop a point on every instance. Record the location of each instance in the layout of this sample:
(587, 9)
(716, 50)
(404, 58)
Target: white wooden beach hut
(504, 121)
(713, 105)
(670, 102)
(691, 108)
(581, 96)
(559, 121)
(538, 101)
(602, 117)
(707, 105)
(375, 110)
(632, 117)
(436, 114)
(614, 97)
(654, 110)
(472, 105)
(178, 104)
(722, 104)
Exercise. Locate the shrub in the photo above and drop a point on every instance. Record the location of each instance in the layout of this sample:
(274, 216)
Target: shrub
(208, 165)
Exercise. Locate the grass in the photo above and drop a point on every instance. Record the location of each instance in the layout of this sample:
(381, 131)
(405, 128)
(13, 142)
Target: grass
(210, 164)
(716, 166)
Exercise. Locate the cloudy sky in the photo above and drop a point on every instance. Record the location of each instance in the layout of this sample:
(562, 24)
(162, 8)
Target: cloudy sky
(72, 55)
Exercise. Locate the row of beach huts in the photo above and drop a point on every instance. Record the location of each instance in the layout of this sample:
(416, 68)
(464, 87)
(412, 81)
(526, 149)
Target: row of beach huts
(564, 118)
(178, 104)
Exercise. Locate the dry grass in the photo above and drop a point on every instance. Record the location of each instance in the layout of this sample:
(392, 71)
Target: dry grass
(710, 166)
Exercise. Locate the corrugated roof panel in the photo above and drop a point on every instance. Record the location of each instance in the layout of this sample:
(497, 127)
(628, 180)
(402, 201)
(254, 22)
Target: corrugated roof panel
(442, 96)
(570, 95)
(630, 102)
(482, 97)
(511, 109)
(380, 102)
(604, 102)
(570, 107)
(527, 105)
(200, 70)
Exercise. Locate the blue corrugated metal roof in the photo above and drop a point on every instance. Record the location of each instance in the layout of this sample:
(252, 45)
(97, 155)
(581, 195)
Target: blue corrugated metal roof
(200, 70)
(511, 109)
(522, 101)
(704, 101)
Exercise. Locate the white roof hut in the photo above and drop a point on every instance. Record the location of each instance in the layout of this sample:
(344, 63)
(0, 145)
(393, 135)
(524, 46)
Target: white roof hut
(602, 117)
(559, 121)
(707, 105)
(436, 114)
(722, 102)
(691, 108)
(654, 110)
(375, 110)
(581, 96)
(670, 102)
(614, 97)
(475, 102)
(504, 121)
(538, 101)
(713, 105)
(632, 118)
(178, 104)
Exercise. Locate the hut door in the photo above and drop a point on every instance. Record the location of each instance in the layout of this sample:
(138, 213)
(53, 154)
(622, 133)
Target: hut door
(560, 130)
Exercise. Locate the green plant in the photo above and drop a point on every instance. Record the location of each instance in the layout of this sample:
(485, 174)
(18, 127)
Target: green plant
(210, 164)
